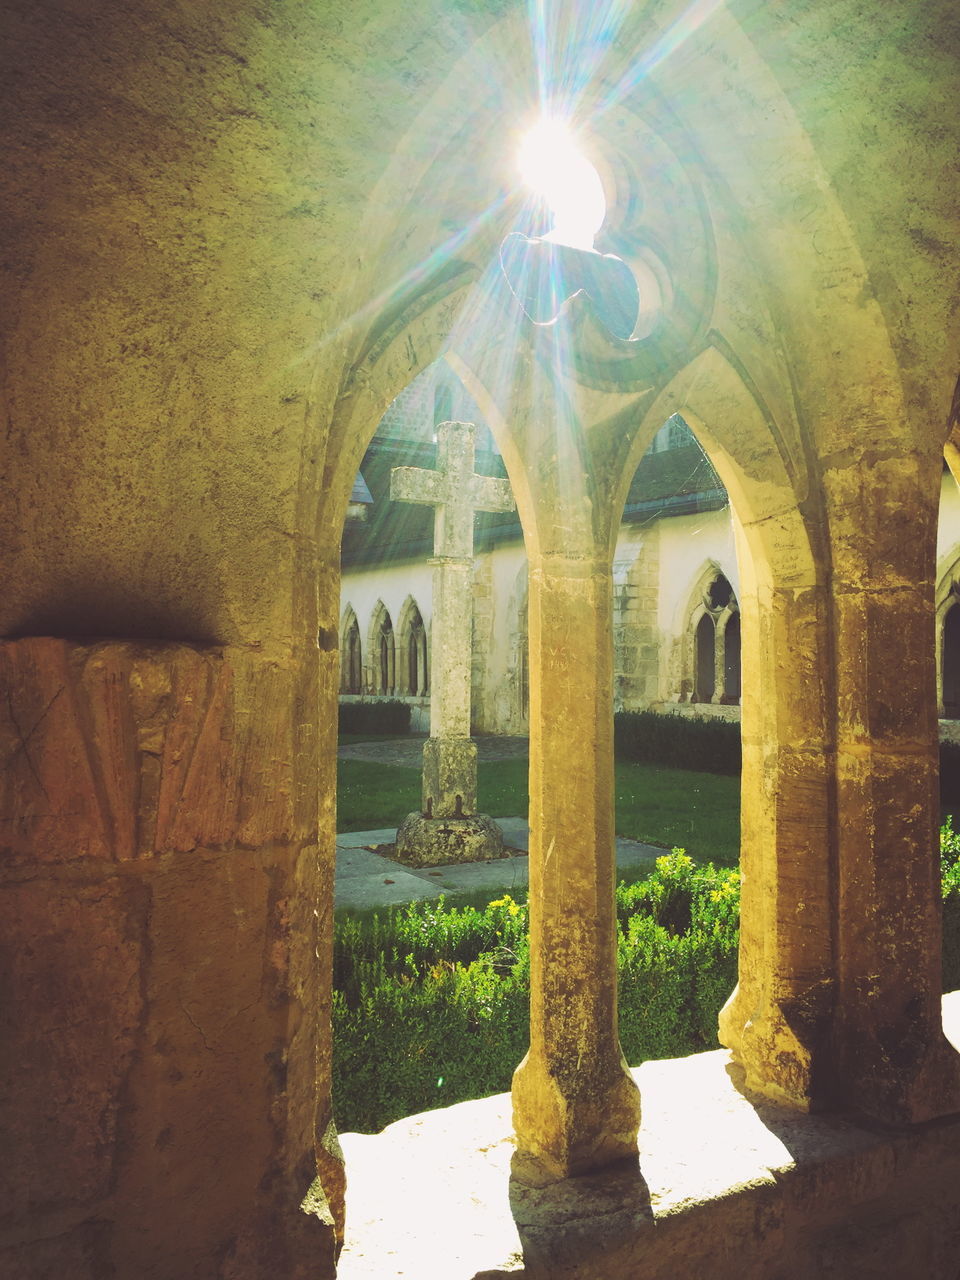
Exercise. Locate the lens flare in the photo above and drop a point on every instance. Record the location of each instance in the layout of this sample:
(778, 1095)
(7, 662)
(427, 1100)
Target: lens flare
(554, 167)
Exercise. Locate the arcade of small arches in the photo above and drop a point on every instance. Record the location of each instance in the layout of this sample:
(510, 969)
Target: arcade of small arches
(397, 665)
(677, 627)
(394, 663)
(397, 662)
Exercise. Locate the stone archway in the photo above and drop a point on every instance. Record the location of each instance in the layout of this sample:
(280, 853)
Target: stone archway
(786, 587)
(704, 659)
(226, 379)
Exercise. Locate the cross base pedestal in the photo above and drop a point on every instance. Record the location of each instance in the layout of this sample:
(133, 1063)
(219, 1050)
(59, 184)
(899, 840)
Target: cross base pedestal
(449, 777)
(428, 842)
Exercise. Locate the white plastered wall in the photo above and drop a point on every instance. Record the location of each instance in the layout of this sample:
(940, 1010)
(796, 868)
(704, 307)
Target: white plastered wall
(500, 595)
(499, 629)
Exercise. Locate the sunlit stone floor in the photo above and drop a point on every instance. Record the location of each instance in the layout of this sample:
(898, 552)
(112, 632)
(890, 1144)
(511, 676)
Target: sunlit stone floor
(720, 1177)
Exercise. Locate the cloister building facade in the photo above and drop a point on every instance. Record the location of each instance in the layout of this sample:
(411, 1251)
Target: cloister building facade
(676, 618)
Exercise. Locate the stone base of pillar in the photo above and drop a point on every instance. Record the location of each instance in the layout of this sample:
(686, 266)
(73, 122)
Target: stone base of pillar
(427, 842)
(449, 777)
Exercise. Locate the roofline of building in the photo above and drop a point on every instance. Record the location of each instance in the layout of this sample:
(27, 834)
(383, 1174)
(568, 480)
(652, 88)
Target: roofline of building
(678, 504)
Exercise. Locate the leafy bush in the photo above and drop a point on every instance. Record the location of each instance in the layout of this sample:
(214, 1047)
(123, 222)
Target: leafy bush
(374, 717)
(678, 742)
(950, 884)
(431, 1002)
(677, 957)
(431, 1006)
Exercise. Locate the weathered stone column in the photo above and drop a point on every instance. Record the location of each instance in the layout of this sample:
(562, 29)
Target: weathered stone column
(892, 1060)
(777, 1021)
(575, 1105)
(838, 1003)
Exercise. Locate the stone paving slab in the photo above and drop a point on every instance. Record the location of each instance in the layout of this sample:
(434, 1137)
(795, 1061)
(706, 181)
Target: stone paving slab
(360, 862)
(391, 890)
(365, 839)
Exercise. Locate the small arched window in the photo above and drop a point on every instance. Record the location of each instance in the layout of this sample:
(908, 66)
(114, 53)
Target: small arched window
(351, 662)
(386, 660)
(382, 653)
(414, 642)
(704, 662)
(715, 674)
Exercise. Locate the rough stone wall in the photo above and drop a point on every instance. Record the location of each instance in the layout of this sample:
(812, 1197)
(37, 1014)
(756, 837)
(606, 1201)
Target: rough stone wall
(636, 642)
(172, 252)
(160, 867)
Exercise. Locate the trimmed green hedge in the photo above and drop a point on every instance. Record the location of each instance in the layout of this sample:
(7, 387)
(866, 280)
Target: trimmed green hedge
(374, 717)
(713, 746)
(431, 1001)
(677, 742)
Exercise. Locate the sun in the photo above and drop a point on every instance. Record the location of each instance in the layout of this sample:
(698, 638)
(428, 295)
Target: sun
(554, 167)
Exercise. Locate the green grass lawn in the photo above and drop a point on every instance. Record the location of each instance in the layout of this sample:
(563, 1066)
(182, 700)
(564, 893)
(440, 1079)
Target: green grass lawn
(372, 795)
(699, 812)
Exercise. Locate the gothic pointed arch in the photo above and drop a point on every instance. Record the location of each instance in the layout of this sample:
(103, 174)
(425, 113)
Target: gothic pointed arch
(710, 643)
(412, 659)
(351, 653)
(381, 650)
(780, 584)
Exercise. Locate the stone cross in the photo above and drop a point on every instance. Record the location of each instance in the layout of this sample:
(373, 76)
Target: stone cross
(455, 492)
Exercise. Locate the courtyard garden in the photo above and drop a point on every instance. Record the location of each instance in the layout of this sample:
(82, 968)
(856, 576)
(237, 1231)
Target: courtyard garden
(677, 784)
(666, 807)
(431, 999)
